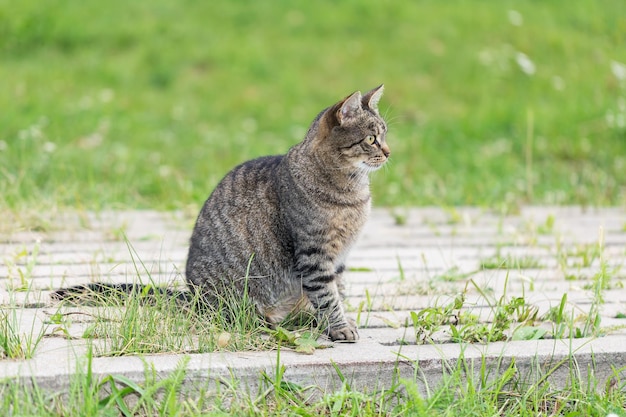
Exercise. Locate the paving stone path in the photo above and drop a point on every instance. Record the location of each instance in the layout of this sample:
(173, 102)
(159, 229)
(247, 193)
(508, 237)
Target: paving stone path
(407, 260)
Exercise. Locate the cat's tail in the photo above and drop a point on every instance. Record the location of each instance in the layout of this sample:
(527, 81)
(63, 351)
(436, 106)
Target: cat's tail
(101, 291)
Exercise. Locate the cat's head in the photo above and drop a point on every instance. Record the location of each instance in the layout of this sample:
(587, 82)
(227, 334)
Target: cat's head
(355, 132)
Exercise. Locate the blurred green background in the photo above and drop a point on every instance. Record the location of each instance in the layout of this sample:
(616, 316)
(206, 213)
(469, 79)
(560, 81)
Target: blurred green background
(147, 104)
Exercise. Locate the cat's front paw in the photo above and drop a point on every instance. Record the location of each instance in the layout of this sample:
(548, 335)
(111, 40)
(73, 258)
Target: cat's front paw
(345, 333)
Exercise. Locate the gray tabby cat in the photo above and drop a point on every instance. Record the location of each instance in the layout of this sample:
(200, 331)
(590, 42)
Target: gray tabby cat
(293, 218)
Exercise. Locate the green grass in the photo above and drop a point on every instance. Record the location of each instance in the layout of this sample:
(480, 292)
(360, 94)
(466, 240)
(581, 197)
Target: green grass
(151, 103)
(123, 324)
(16, 342)
(510, 262)
(469, 387)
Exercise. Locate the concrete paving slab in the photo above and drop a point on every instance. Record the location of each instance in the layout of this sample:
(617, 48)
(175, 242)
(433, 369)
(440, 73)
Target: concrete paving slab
(406, 260)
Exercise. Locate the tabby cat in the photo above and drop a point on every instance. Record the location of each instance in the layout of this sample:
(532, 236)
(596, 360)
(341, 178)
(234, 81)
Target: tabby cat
(280, 227)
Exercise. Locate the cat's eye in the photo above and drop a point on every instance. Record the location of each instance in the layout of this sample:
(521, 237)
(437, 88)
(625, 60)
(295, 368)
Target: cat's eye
(370, 140)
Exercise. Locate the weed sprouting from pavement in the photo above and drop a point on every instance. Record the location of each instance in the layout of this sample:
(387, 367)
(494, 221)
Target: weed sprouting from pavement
(15, 341)
(20, 267)
(510, 318)
(499, 261)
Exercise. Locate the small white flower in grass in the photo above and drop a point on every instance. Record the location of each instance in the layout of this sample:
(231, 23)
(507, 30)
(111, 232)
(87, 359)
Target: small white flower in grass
(610, 118)
(91, 141)
(616, 117)
(515, 18)
(501, 146)
(526, 65)
(3, 146)
(85, 103)
(165, 171)
(619, 70)
(49, 147)
(23, 134)
(35, 132)
(485, 57)
(107, 95)
(558, 83)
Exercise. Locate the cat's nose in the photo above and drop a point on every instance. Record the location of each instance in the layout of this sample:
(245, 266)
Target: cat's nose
(386, 150)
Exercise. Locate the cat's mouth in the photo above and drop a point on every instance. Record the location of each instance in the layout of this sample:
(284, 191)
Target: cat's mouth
(371, 166)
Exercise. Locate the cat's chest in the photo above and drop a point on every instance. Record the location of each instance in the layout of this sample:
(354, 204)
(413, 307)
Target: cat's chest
(342, 230)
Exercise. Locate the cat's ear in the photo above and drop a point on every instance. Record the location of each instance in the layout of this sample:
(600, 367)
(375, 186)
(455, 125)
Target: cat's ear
(349, 107)
(372, 98)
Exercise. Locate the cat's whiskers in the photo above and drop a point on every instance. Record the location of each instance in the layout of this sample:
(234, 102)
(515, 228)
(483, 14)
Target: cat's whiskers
(360, 177)
(386, 165)
(355, 179)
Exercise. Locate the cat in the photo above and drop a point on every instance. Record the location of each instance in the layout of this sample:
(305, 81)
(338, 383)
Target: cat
(279, 228)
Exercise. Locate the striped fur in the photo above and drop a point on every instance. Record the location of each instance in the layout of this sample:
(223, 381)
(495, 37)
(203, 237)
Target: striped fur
(282, 226)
